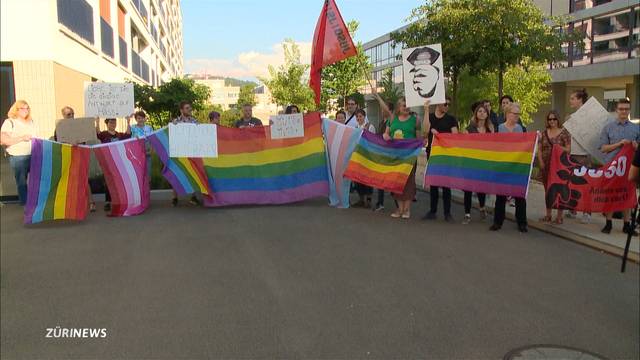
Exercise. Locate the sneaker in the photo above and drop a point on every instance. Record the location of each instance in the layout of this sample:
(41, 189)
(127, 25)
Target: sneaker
(571, 214)
(495, 227)
(406, 215)
(395, 214)
(467, 219)
(429, 216)
(523, 228)
(194, 201)
(626, 228)
(606, 229)
(379, 207)
(107, 206)
(586, 218)
(174, 202)
(448, 218)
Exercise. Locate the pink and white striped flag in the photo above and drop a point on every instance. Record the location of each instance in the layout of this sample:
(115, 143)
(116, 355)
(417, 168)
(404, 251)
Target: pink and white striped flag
(124, 164)
(341, 141)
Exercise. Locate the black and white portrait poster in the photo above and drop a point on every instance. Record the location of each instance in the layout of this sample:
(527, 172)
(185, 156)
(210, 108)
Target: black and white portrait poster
(423, 75)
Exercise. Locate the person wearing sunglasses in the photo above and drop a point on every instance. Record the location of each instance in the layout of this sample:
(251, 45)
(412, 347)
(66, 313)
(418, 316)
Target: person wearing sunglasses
(554, 134)
(440, 122)
(512, 114)
(16, 134)
(615, 135)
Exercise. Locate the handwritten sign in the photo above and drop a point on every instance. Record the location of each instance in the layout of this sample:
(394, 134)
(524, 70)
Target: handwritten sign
(193, 140)
(585, 126)
(287, 126)
(76, 131)
(108, 100)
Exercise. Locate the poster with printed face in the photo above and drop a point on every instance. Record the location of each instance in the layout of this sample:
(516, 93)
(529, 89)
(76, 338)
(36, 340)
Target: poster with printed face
(76, 131)
(108, 100)
(193, 140)
(286, 126)
(423, 75)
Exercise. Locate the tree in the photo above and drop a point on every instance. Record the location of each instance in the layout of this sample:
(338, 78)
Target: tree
(345, 77)
(246, 95)
(288, 83)
(392, 92)
(161, 103)
(203, 114)
(486, 36)
(229, 117)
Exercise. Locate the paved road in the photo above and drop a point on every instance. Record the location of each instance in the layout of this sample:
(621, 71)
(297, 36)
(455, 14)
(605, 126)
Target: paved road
(305, 281)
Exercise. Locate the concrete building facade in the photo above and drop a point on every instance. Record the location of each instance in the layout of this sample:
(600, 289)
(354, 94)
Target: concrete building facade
(221, 94)
(608, 65)
(49, 48)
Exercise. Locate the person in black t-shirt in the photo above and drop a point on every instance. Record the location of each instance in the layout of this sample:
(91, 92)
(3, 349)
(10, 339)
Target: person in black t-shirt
(440, 122)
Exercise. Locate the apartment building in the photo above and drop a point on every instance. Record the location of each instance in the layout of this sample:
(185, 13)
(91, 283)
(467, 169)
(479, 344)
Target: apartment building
(221, 94)
(49, 48)
(608, 65)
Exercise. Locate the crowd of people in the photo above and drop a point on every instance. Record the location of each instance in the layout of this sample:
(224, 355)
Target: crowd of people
(397, 122)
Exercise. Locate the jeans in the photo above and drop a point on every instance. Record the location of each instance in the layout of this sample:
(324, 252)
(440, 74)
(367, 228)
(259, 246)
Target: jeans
(446, 199)
(467, 200)
(20, 165)
(380, 197)
(500, 208)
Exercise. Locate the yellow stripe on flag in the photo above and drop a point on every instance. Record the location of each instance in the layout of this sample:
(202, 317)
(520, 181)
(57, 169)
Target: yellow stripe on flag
(499, 156)
(60, 204)
(193, 174)
(269, 156)
(380, 168)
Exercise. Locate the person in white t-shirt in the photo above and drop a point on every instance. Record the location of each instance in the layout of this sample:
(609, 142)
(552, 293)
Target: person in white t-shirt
(352, 107)
(16, 134)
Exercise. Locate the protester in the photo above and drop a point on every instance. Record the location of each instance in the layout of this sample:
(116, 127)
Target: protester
(364, 191)
(214, 118)
(352, 106)
(382, 127)
(512, 112)
(440, 122)
(108, 136)
(67, 112)
(341, 116)
(554, 134)
(505, 100)
(578, 154)
(185, 117)
(292, 109)
(493, 117)
(404, 125)
(479, 124)
(247, 119)
(16, 133)
(141, 130)
(614, 136)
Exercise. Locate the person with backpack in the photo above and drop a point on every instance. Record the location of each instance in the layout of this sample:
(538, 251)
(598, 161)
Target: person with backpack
(16, 134)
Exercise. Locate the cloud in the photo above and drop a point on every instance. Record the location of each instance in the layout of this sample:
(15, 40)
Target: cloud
(251, 64)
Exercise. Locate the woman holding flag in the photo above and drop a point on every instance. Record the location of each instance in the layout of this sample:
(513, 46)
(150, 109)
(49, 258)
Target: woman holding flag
(403, 125)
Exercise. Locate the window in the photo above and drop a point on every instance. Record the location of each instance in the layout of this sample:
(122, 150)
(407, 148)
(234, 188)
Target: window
(121, 38)
(106, 31)
(77, 16)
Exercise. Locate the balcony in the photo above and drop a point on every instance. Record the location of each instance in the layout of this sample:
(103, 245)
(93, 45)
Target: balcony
(106, 37)
(77, 16)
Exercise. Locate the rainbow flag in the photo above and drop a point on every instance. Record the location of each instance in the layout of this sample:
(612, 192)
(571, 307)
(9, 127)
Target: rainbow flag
(124, 164)
(186, 175)
(383, 164)
(252, 168)
(58, 182)
(341, 141)
(497, 164)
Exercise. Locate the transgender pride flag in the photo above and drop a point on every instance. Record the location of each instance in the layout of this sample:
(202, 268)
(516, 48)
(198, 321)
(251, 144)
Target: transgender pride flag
(124, 164)
(341, 141)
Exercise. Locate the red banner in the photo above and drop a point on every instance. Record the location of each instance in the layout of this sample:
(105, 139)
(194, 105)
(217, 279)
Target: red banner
(605, 189)
(331, 43)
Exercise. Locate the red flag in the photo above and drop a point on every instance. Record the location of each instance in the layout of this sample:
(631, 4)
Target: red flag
(331, 43)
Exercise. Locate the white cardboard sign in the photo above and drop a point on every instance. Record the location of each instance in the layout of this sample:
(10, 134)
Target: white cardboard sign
(193, 140)
(286, 126)
(585, 126)
(423, 75)
(108, 100)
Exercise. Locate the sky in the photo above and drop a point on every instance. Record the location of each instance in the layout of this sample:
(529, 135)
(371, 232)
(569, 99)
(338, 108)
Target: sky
(240, 38)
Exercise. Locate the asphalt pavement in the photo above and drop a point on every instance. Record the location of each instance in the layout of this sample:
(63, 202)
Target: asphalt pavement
(305, 281)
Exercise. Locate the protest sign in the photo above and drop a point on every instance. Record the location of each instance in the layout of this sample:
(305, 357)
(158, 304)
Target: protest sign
(585, 126)
(108, 100)
(286, 126)
(76, 131)
(423, 75)
(193, 140)
(571, 186)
